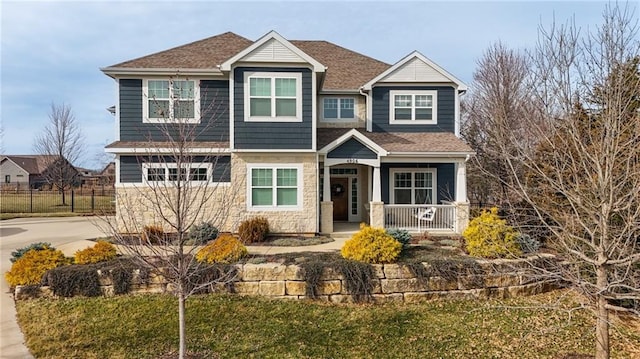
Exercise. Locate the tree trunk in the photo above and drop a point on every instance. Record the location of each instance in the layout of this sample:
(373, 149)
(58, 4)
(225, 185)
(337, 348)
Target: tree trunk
(181, 319)
(64, 199)
(602, 322)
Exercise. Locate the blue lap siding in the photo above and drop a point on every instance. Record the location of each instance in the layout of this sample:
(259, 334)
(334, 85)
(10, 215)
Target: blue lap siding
(214, 110)
(445, 175)
(273, 135)
(131, 166)
(445, 118)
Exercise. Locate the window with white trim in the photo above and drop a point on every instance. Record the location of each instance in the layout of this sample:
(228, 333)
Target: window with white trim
(334, 108)
(169, 100)
(275, 187)
(273, 96)
(413, 186)
(413, 107)
(170, 173)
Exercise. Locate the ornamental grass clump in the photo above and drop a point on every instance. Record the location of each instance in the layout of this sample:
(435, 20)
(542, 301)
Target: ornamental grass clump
(372, 245)
(102, 251)
(225, 249)
(31, 266)
(489, 236)
(254, 230)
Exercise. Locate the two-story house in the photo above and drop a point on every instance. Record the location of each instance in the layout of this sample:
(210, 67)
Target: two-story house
(307, 133)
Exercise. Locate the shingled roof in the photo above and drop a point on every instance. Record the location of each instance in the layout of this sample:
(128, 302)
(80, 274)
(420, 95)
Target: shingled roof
(33, 164)
(419, 142)
(346, 69)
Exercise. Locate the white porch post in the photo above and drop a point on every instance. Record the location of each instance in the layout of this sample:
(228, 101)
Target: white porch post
(461, 182)
(326, 207)
(376, 185)
(377, 207)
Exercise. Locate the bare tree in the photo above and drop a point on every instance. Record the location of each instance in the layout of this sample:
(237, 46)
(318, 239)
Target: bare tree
(62, 144)
(578, 163)
(186, 181)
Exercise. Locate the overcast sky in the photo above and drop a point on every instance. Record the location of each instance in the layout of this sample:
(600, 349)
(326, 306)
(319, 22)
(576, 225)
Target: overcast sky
(53, 51)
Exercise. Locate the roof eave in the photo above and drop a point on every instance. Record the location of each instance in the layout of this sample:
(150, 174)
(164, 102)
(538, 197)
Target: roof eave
(128, 71)
(432, 154)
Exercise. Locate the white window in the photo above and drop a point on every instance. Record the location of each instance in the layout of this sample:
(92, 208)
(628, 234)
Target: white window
(338, 108)
(413, 107)
(413, 186)
(273, 96)
(170, 100)
(170, 173)
(274, 187)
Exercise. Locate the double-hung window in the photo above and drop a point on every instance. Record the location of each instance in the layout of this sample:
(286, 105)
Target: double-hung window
(413, 107)
(276, 187)
(413, 186)
(273, 96)
(169, 100)
(334, 109)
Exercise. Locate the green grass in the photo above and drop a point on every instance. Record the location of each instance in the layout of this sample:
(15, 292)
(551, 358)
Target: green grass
(145, 326)
(52, 203)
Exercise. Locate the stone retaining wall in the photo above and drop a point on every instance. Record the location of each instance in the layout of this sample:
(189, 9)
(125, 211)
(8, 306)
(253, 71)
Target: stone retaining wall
(393, 282)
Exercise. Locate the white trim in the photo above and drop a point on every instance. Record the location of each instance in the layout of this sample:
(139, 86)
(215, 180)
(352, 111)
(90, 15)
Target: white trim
(353, 133)
(276, 166)
(273, 76)
(171, 99)
(167, 166)
(165, 150)
(263, 150)
(314, 111)
(117, 114)
(411, 56)
(339, 119)
(317, 66)
(117, 163)
(352, 161)
(434, 183)
(232, 128)
(413, 94)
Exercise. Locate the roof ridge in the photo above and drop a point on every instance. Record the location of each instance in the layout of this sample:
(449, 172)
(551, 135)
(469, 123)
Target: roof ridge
(344, 48)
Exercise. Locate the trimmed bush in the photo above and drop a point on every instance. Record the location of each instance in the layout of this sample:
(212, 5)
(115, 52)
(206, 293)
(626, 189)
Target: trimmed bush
(371, 245)
(253, 230)
(152, 234)
(30, 267)
(102, 251)
(400, 235)
(527, 243)
(37, 246)
(203, 233)
(225, 249)
(489, 236)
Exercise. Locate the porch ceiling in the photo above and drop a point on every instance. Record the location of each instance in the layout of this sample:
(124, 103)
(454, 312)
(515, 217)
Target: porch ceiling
(403, 142)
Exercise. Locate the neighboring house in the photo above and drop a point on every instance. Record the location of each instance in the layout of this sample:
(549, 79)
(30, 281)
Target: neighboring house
(310, 133)
(29, 171)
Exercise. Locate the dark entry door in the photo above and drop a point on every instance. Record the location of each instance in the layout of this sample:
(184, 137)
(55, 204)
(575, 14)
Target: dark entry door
(340, 198)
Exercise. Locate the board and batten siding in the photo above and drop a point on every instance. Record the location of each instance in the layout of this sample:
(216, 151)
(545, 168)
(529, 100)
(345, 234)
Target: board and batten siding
(273, 135)
(445, 176)
(131, 166)
(446, 110)
(214, 110)
(352, 148)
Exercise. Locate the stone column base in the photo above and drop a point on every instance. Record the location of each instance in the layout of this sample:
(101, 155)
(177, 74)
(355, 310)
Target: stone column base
(462, 216)
(377, 214)
(326, 217)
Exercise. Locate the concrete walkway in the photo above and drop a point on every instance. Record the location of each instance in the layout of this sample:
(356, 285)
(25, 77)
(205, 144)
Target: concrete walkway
(70, 234)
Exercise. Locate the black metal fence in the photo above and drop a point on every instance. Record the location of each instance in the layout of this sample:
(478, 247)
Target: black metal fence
(96, 201)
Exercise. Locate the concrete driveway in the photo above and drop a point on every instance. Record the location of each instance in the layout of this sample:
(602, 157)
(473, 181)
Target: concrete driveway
(68, 234)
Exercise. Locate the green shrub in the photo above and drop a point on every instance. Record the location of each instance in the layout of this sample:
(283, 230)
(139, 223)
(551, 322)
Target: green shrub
(400, 235)
(527, 243)
(202, 233)
(153, 234)
(15, 255)
(225, 249)
(253, 230)
(371, 245)
(489, 236)
(30, 267)
(102, 251)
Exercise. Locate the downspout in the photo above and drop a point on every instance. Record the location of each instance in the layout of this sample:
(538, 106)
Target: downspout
(367, 103)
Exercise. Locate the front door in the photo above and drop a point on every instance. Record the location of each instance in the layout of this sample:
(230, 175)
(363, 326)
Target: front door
(340, 198)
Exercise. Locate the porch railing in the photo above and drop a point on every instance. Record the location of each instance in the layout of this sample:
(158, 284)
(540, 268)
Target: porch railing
(407, 216)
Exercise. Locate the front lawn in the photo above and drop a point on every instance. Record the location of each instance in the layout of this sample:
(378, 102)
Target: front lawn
(145, 326)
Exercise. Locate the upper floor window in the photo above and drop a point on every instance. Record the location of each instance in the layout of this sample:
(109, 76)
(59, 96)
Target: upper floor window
(169, 100)
(338, 108)
(413, 107)
(273, 96)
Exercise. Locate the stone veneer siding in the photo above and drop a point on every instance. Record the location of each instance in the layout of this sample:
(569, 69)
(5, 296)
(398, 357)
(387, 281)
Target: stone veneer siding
(393, 282)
